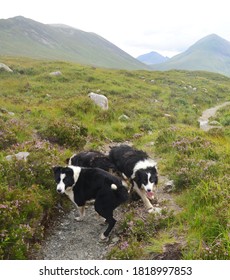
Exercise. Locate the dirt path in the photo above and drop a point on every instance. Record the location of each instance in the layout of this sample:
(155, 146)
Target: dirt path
(72, 240)
(68, 239)
(207, 114)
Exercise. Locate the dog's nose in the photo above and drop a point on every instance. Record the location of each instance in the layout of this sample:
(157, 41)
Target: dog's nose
(59, 190)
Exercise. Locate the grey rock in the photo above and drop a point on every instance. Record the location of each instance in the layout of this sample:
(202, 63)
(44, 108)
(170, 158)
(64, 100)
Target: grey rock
(5, 67)
(18, 156)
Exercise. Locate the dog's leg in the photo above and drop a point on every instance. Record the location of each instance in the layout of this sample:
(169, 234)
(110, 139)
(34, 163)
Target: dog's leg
(108, 215)
(111, 221)
(145, 200)
(82, 213)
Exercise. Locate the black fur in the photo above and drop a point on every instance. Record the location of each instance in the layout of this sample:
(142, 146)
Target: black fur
(125, 158)
(92, 159)
(93, 183)
(139, 168)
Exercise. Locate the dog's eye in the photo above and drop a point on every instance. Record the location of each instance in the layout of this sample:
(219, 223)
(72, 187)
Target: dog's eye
(152, 179)
(66, 182)
(145, 181)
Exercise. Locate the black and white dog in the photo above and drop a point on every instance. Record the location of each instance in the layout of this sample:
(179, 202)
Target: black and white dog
(83, 184)
(139, 168)
(91, 159)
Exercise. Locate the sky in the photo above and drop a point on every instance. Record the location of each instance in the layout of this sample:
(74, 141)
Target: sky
(136, 26)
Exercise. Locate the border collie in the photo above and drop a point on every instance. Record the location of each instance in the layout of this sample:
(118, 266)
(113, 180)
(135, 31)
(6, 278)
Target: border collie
(92, 159)
(83, 184)
(139, 168)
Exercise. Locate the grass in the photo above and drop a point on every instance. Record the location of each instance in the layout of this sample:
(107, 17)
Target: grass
(53, 118)
(199, 167)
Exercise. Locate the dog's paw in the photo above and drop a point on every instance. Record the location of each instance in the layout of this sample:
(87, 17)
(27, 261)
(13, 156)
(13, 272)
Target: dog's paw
(151, 210)
(103, 238)
(155, 210)
(79, 219)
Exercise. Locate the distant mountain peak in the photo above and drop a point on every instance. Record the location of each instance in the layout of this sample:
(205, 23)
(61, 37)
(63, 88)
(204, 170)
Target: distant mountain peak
(210, 53)
(152, 58)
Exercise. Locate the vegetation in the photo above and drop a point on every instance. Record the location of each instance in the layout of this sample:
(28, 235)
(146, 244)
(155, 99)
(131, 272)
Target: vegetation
(21, 36)
(211, 53)
(52, 117)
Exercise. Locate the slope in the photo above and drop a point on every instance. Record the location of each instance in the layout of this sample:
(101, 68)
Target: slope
(20, 36)
(211, 53)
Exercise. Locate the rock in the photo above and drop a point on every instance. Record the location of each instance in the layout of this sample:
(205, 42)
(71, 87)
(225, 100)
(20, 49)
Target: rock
(99, 100)
(115, 239)
(4, 111)
(5, 67)
(18, 156)
(169, 186)
(137, 135)
(123, 118)
(56, 73)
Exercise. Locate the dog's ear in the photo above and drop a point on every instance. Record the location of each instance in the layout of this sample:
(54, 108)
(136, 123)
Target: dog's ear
(137, 178)
(56, 169)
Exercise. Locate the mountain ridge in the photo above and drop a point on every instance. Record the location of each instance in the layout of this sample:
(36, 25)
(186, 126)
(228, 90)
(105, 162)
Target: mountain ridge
(210, 53)
(20, 36)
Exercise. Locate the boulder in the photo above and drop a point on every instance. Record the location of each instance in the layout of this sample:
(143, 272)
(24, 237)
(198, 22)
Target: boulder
(123, 118)
(99, 100)
(56, 73)
(5, 67)
(18, 156)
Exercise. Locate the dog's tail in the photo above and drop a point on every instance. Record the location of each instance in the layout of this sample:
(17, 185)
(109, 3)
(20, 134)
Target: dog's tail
(120, 192)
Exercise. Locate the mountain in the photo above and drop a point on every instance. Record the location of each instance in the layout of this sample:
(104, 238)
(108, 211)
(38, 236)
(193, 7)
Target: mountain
(21, 36)
(211, 53)
(152, 58)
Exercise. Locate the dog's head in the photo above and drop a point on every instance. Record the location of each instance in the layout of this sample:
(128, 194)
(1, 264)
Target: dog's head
(65, 177)
(147, 179)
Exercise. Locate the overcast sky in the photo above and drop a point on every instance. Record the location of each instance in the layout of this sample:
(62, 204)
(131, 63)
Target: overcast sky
(136, 26)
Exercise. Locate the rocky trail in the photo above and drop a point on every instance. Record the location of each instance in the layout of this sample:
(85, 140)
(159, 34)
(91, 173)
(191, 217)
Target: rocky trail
(68, 239)
(207, 114)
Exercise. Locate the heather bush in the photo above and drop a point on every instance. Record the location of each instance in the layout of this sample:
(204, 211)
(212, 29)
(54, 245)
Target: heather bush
(69, 134)
(28, 197)
(7, 136)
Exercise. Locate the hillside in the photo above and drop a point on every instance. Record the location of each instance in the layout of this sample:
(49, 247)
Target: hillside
(20, 36)
(51, 118)
(152, 58)
(211, 53)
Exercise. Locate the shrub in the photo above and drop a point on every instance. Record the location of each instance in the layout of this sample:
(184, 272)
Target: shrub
(27, 196)
(7, 136)
(22, 218)
(65, 133)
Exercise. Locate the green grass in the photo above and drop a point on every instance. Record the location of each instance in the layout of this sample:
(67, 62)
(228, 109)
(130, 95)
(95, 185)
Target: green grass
(53, 118)
(199, 166)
